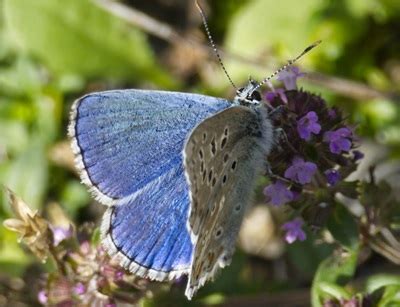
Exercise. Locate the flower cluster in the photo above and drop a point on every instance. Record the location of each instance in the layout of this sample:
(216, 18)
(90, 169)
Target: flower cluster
(316, 151)
(88, 279)
(86, 276)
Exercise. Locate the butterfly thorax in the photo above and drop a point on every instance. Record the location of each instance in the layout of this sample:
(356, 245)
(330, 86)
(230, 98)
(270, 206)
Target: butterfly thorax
(248, 95)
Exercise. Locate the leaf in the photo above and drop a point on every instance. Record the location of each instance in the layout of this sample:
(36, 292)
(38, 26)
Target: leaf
(306, 255)
(343, 227)
(78, 37)
(13, 260)
(13, 136)
(335, 270)
(27, 174)
(74, 196)
(378, 281)
(262, 25)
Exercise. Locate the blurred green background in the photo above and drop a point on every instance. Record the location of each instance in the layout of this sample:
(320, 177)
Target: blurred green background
(52, 52)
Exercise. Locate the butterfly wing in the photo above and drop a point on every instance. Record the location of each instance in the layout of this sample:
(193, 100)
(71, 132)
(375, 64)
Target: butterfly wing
(128, 147)
(222, 158)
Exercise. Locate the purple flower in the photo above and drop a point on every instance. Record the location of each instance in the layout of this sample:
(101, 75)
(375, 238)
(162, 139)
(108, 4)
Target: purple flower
(79, 288)
(301, 171)
(332, 114)
(280, 92)
(289, 77)
(278, 193)
(119, 275)
(339, 140)
(294, 231)
(60, 234)
(42, 297)
(332, 176)
(308, 124)
(357, 155)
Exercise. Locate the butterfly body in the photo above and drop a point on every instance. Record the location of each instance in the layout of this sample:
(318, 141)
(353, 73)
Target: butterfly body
(175, 198)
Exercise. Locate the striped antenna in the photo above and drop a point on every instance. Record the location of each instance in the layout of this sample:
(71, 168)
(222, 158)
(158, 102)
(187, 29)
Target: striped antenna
(204, 18)
(289, 63)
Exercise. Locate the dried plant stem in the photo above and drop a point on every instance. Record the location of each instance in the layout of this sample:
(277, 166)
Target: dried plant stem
(345, 87)
(385, 250)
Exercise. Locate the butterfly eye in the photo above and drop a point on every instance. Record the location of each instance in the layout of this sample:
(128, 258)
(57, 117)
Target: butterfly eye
(256, 96)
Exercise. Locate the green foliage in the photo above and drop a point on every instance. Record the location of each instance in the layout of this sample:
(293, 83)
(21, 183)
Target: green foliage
(80, 38)
(333, 273)
(51, 52)
(343, 228)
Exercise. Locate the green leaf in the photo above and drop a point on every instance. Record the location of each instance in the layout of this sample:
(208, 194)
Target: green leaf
(78, 37)
(262, 25)
(376, 282)
(13, 136)
(74, 196)
(306, 255)
(13, 260)
(27, 174)
(343, 227)
(334, 290)
(335, 270)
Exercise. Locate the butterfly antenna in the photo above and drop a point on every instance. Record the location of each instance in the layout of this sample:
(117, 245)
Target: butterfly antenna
(289, 63)
(204, 18)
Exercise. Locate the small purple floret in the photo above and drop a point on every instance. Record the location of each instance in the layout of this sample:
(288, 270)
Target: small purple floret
(278, 193)
(279, 92)
(301, 171)
(61, 233)
(357, 155)
(332, 114)
(79, 288)
(42, 297)
(332, 176)
(294, 231)
(339, 140)
(308, 124)
(289, 77)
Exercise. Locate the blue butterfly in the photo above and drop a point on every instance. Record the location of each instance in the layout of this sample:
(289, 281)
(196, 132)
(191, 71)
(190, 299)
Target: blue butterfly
(176, 171)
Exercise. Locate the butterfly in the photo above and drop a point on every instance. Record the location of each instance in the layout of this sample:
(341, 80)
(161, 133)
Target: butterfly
(176, 171)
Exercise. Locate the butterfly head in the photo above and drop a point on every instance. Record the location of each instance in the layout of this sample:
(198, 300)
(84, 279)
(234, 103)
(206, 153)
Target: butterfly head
(248, 95)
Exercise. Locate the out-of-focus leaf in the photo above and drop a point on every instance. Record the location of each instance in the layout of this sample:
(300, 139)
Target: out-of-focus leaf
(12, 258)
(48, 110)
(306, 255)
(334, 291)
(27, 175)
(390, 296)
(78, 37)
(343, 227)
(335, 270)
(379, 113)
(261, 26)
(74, 196)
(13, 136)
(381, 280)
(20, 78)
